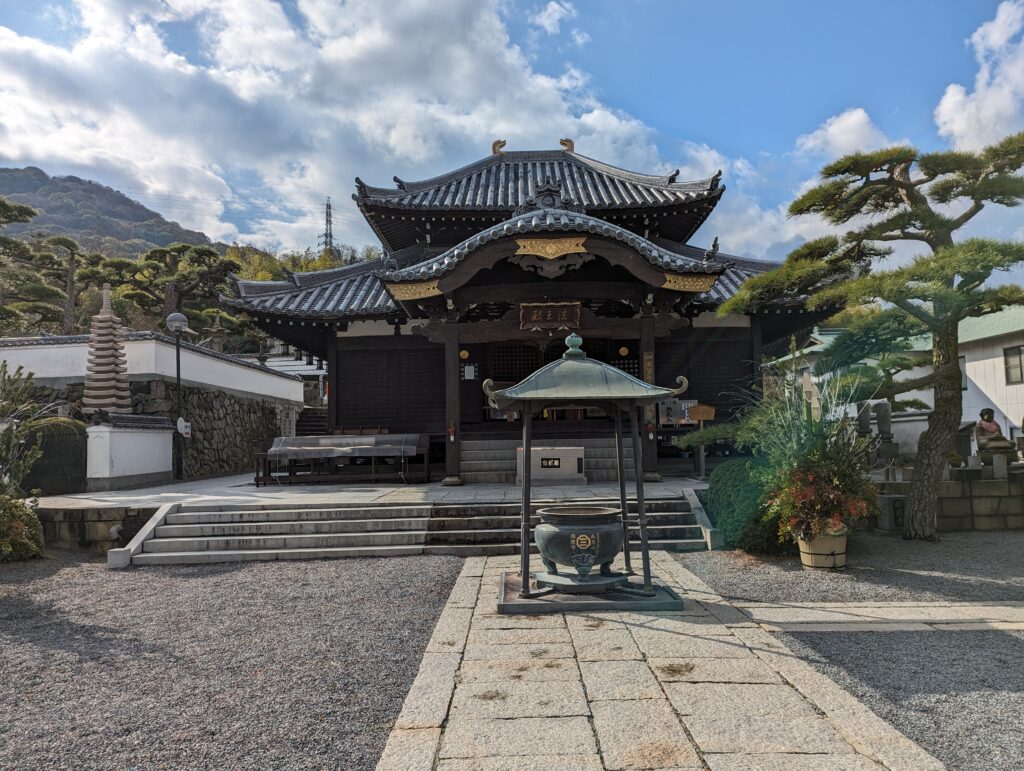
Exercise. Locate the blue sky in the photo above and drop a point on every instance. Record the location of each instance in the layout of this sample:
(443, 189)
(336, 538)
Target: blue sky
(239, 117)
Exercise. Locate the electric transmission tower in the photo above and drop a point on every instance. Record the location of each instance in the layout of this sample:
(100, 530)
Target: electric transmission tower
(325, 241)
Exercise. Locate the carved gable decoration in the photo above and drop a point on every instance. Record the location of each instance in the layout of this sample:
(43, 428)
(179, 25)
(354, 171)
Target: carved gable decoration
(548, 195)
(550, 257)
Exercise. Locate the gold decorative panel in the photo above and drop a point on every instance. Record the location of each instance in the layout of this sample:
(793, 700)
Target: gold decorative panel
(415, 291)
(689, 282)
(551, 248)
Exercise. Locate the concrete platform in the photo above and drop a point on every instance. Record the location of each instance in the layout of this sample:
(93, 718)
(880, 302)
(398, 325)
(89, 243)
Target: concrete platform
(238, 490)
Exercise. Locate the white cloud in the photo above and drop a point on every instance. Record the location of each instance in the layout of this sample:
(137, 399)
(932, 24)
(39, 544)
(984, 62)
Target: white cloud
(579, 37)
(972, 119)
(845, 133)
(551, 16)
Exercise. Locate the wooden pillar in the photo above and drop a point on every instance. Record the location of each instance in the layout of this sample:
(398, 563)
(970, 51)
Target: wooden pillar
(623, 501)
(332, 380)
(648, 438)
(525, 512)
(453, 429)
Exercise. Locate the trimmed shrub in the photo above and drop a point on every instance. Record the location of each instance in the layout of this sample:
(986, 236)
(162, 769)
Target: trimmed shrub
(734, 503)
(21, 534)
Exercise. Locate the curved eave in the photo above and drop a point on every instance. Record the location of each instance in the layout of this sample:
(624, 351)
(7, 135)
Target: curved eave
(552, 221)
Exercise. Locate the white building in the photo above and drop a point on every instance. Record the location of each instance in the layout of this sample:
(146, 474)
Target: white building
(991, 363)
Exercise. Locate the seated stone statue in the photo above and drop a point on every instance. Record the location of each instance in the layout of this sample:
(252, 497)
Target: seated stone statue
(990, 439)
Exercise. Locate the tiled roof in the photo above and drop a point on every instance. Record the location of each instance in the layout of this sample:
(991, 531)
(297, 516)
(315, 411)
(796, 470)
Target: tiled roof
(554, 220)
(352, 290)
(504, 181)
(131, 335)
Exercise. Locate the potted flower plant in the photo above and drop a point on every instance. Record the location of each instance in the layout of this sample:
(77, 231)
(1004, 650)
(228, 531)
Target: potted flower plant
(817, 500)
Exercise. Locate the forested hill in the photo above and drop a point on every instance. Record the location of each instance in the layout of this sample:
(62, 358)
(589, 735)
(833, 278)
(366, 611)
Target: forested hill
(98, 217)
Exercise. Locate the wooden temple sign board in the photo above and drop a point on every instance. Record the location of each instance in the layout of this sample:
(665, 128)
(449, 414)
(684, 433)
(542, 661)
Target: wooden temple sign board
(689, 282)
(551, 248)
(535, 316)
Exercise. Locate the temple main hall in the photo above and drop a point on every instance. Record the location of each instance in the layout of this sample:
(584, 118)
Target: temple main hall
(487, 268)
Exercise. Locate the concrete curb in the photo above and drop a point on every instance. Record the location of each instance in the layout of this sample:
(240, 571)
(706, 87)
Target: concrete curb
(122, 557)
(712, 535)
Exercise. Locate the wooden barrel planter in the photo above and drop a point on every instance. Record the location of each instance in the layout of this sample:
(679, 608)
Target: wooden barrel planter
(825, 551)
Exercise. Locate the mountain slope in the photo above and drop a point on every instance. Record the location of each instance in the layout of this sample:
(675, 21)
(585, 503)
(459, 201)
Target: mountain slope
(100, 218)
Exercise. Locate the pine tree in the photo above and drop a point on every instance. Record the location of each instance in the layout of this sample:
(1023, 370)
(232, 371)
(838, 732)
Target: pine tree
(27, 301)
(902, 194)
(182, 277)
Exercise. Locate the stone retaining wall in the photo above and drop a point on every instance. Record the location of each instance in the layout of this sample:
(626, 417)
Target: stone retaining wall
(90, 528)
(974, 504)
(226, 426)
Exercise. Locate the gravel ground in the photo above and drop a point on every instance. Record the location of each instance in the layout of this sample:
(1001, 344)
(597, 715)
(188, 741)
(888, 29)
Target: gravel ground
(960, 695)
(961, 567)
(258, 665)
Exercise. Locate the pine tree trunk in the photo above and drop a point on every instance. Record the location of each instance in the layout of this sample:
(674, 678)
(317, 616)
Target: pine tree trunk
(172, 298)
(938, 442)
(69, 300)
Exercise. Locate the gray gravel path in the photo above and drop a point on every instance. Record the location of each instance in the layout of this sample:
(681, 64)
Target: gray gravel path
(960, 695)
(964, 567)
(259, 665)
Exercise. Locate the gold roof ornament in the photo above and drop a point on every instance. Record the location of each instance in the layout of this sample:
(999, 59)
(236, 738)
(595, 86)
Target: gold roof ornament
(551, 248)
(497, 145)
(568, 145)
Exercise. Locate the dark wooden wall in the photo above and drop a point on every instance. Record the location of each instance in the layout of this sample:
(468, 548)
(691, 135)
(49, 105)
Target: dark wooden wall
(394, 382)
(718, 362)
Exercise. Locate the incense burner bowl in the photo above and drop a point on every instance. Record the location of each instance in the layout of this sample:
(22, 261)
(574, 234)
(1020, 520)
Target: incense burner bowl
(579, 537)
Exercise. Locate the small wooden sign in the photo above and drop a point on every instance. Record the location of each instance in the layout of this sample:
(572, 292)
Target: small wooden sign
(701, 412)
(535, 316)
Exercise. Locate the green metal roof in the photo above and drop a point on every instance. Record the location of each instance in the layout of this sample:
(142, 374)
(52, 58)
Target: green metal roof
(1008, 321)
(1004, 322)
(575, 379)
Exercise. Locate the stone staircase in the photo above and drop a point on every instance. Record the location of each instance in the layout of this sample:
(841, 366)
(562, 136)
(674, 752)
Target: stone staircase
(196, 534)
(312, 421)
(493, 461)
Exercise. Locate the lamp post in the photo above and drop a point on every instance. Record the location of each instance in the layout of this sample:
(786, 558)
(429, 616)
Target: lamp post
(177, 323)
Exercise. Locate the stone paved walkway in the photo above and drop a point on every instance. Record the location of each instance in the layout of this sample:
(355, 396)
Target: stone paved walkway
(239, 489)
(886, 616)
(703, 688)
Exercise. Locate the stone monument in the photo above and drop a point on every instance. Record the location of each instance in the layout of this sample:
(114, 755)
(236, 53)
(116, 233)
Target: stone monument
(124, 450)
(106, 379)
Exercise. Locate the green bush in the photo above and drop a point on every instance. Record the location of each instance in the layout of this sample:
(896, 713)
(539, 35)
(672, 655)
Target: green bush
(734, 503)
(21, 534)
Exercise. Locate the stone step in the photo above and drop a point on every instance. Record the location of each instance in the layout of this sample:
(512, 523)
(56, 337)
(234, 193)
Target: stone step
(655, 534)
(682, 519)
(504, 444)
(510, 454)
(589, 464)
(497, 549)
(271, 542)
(249, 555)
(295, 515)
(308, 527)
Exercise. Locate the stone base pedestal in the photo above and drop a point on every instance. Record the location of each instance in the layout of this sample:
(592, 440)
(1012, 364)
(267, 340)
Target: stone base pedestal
(121, 457)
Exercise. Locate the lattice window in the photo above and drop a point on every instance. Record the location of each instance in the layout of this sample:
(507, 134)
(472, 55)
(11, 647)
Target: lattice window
(629, 366)
(511, 362)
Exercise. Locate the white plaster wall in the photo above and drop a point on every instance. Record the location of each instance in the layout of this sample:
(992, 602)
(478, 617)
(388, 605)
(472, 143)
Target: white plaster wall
(371, 328)
(125, 452)
(65, 362)
(987, 386)
(154, 357)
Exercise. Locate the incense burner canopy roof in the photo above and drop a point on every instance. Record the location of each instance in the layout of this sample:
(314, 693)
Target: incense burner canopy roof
(577, 380)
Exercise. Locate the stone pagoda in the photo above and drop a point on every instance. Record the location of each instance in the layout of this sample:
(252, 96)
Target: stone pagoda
(106, 380)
